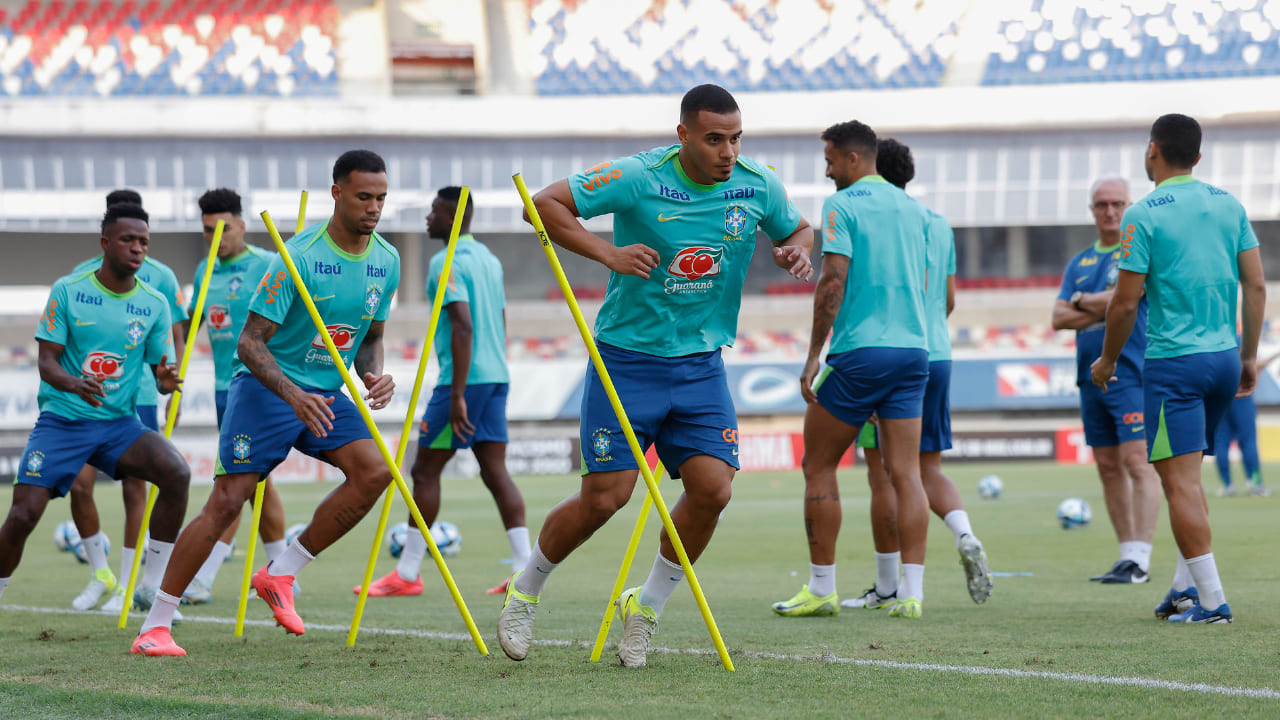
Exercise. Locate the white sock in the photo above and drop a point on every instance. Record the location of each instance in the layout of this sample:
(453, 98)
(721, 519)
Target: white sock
(126, 563)
(274, 548)
(663, 579)
(415, 549)
(161, 614)
(291, 561)
(4, 583)
(822, 579)
(158, 553)
(958, 521)
(1205, 573)
(96, 551)
(1138, 552)
(208, 572)
(538, 569)
(518, 537)
(887, 565)
(912, 582)
(1182, 575)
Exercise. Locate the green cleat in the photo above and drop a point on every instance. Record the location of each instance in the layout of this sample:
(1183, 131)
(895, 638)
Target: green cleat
(908, 608)
(806, 604)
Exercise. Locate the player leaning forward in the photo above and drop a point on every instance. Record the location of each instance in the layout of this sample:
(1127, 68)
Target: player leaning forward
(99, 328)
(684, 221)
(286, 393)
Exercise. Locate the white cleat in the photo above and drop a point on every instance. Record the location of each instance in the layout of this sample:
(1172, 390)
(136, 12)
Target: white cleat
(515, 623)
(977, 574)
(639, 623)
(89, 598)
(115, 603)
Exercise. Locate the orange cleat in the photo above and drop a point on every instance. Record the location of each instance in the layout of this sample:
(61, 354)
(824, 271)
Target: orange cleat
(157, 642)
(392, 584)
(500, 589)
(277, 591)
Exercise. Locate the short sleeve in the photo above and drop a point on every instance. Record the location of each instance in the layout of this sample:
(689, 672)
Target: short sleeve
(172, 290)
(455, 288)
(53, 323)
(275, 293)
(837, 231)
(195, 288)
(1135, 241)
(1068, 284)
(1248, 239)
(389, 293)
(608, 187)
(781, 218)
(160, 339)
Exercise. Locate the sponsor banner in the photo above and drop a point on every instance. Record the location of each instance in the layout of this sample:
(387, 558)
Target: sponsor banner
(1072, 449)
(1030, 445)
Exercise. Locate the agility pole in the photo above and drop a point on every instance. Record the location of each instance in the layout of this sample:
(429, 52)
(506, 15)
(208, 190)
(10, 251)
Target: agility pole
(436, 304)
(305, 295)
(618, 410)
(170, 420)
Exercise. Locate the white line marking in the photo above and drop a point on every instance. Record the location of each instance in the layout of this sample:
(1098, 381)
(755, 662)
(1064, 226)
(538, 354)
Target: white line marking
(1082, 678)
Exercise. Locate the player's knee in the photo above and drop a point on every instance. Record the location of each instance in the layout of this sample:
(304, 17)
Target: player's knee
(714, 498)
(602, 506)
(23, 518)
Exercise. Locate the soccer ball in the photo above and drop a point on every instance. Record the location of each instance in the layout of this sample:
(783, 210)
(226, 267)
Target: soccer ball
(445, 533)
(65, 536)
(990, 487)
(293, 532)
(1073, 513)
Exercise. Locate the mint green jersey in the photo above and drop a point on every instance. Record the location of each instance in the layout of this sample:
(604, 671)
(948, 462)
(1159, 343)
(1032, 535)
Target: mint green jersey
(475, 279)
(226, 304)
(162, 280)
(884, 233)
(349, 291)
(704, 235)
(114, 337)
(941, 253)
(1185, 237)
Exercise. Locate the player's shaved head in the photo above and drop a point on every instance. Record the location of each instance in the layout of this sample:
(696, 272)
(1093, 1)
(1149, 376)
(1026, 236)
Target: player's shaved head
(1178, 137)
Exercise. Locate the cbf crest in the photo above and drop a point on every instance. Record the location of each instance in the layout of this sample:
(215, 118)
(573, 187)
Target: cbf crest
(735, 219)
(135, 332)
(601, 443)
(372, 299)
(233, 288)
(240, 448)
(35, 463)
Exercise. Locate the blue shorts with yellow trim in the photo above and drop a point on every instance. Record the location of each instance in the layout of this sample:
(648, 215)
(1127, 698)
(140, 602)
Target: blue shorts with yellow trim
(1186, 397)
(486, 409)
(1112, 417)
(935, 422)
(889, 382)
(59, 447)
(681, 405)
(259, 428)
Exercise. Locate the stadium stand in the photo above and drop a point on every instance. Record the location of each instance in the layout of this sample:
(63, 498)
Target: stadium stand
(281, 48)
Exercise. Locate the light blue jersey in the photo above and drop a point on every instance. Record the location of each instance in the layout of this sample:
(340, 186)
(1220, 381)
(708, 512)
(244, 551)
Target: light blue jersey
(226, 306)
(162, 280)
(942, 265)
(705, 236)
(349, 291)
(1185, 237)
(475, 279)
(884, 233)
(110, 336)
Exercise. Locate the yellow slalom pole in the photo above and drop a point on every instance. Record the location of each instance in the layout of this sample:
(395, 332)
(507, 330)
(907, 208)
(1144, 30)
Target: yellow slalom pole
(170, 420)
(436, 304)
(618, 410)
(260, 491)
(627, 557)
(305, 295)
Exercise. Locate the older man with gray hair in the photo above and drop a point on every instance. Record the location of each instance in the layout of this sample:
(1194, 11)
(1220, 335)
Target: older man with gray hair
(1113, 421)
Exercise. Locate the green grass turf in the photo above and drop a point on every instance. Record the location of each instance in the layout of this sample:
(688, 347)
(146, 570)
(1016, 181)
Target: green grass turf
(859, 664)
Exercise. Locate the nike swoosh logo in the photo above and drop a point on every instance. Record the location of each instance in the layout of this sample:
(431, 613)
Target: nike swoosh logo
(662, 219)
(735, 451)
(81, 323)
(322, 299)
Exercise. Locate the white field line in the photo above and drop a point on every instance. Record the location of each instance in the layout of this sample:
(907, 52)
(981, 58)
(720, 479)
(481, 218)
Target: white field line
(1079, 678)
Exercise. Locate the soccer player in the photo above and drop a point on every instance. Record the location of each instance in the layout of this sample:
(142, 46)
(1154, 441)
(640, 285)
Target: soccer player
(100, 327)
(895, 164)
(235, 273)
(684, 224)
(84, 511)
(1241, 425)
(872, 292)
(1113, 421)
(1190, 244)
(469, 405)
(286, 393)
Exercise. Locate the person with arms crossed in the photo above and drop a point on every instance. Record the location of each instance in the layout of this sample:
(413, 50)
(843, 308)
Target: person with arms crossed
(468, 408)
(684, 221)
(99, 328)
(872, 292)
(1113, 420)
(238, 268)
(1191, 246)
(895, 164)
(286, 393)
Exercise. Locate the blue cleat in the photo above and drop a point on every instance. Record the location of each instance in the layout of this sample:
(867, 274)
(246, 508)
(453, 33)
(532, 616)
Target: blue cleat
(1177, 601)
(1197, 614)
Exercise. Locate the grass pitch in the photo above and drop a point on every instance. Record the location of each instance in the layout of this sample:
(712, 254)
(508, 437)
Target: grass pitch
(1048, 644)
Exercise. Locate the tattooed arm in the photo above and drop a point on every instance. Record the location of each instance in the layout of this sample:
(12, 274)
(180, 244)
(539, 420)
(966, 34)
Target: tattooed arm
(827, 300)
(369, 367)
(312, 409)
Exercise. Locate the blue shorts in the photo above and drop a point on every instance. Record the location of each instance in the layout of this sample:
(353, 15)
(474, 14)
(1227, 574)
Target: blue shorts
(59, 447)
(681, 405)
(1186, 397)
(889, 382)
(149, 417)
(259, 428)
(220, 404)
(1112, 417)
(935, 422)
(486, 409)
